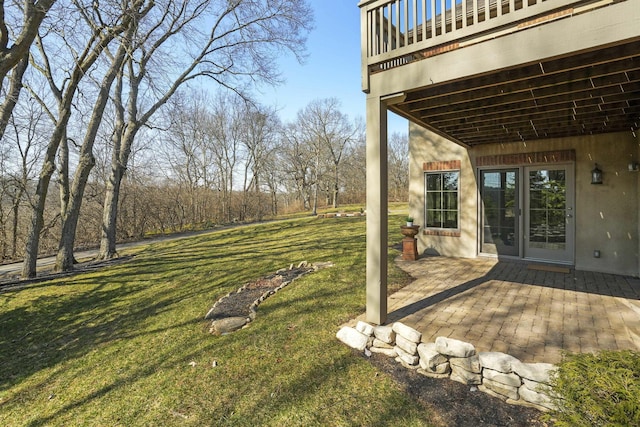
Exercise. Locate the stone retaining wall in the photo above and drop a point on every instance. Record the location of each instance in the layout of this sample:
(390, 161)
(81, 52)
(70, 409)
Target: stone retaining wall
(495, 373)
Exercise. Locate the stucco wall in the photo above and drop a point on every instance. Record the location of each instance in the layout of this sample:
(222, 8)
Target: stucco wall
(426, 146)
(606, 216)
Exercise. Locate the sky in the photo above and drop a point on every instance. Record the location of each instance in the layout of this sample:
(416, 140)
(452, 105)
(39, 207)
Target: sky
(332, 68)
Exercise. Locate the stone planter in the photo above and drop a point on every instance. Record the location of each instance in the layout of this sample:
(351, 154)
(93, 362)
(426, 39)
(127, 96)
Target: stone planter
(409, 243)
(409, 230)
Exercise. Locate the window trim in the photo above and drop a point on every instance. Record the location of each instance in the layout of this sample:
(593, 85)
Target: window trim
(442, 168)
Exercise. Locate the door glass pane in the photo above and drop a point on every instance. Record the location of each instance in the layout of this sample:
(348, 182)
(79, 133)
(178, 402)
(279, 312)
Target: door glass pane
(499, 194)
(547, 206)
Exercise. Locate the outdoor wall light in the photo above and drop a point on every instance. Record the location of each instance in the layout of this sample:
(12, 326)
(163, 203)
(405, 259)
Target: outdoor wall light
(596, 175)
(634, 167)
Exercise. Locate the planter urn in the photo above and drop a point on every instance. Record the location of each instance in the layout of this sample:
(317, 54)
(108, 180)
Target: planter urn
(409, 242)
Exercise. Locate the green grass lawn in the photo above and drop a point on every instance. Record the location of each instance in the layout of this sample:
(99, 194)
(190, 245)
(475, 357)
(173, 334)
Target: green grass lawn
(127, 345)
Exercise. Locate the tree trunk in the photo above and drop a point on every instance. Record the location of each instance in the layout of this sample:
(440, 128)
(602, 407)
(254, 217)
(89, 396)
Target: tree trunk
(315, 185)
(14, 224)
(37, 216)
(274, 203)
(336, 186)
(110, 215)
(63, 173)
(64, 257)
(108, 233)
(315, 200)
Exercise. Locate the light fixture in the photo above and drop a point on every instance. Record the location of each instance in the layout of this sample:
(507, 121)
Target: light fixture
(596, 175)
(634, 166)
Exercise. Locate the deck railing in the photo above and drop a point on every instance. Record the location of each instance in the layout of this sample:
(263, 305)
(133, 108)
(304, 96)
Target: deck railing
(395, 31)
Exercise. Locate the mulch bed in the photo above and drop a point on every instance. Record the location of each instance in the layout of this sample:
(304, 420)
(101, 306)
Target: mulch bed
(238, 303)
(453, 403)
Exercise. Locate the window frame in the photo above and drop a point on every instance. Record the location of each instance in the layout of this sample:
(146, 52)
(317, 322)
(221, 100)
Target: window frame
(442, 209)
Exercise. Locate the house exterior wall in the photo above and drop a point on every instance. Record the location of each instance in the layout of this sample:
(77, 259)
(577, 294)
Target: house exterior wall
(606, 216)
(426, 146)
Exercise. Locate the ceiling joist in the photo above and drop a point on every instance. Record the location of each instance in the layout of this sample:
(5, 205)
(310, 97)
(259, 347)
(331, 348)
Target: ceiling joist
(587, 93)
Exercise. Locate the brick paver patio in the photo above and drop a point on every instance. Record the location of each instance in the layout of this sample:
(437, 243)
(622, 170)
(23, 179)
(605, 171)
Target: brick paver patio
(507, 306)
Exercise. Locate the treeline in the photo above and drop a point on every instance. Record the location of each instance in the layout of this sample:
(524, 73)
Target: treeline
(215, 160)
(120, 118)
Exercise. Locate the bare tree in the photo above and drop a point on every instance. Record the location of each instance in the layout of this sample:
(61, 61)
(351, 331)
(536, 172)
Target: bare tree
(354, 172)
(27, 135)
(19, 24)
(398, 154)
(188, 151)
(97, 41)
(258, 139)
(75, 195)
(225, 130)
(272, 176)
(298, 163)
(141, 190)
(244, 38)
(329, 132)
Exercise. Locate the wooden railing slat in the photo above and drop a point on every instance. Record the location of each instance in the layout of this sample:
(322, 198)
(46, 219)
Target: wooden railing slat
(414, 5)
(406, 22)
(424, 19)
(434, 16)
(395, 24)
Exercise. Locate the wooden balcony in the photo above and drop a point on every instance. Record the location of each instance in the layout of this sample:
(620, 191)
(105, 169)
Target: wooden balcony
(397, 32)
(491, 71)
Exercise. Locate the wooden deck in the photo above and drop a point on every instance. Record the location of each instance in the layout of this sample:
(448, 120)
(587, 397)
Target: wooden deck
(493, 71)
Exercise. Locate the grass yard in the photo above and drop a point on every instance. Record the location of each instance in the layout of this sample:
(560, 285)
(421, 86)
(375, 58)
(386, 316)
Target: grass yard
(127, 346)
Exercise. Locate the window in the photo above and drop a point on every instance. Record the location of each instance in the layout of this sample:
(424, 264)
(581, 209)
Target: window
(441, 199)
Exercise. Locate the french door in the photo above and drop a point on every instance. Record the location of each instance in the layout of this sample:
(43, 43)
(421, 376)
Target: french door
(499, 190)
(528, 212)
(549, 219)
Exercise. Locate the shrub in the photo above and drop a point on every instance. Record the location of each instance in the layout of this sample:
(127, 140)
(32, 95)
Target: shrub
(601, 389)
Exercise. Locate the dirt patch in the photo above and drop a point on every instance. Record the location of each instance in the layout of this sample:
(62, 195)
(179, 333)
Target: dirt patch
(454, 404)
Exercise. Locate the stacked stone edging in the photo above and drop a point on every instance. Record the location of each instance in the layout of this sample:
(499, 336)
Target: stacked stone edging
(341, 215)
(495, 373)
